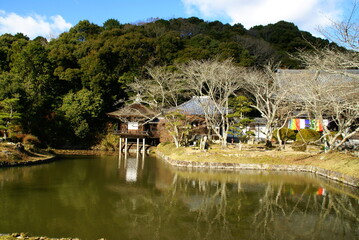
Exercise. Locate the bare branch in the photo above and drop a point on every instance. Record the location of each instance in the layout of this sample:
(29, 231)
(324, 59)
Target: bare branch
(345, 32)
(218, 81)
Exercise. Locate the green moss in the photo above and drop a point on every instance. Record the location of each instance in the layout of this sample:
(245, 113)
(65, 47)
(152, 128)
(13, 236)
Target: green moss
(307, 135)
(285, 134)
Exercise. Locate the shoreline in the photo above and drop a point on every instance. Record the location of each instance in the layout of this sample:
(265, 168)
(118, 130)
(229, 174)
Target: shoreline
(330, 174)
(226, 165)
(15, 236)
(49, 159)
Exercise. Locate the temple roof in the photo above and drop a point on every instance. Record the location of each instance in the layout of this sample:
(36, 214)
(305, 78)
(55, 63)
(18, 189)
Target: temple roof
(135, 110)
(197, 105)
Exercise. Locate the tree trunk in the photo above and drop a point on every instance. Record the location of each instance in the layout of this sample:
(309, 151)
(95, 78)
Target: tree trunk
(176, 137)
(279, 139)
(240, 145)
(269, 144)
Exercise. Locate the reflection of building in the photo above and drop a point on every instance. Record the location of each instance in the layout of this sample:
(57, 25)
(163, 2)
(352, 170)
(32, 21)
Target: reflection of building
(131, 167)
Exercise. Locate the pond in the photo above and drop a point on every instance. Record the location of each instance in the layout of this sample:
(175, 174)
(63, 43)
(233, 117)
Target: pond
(93, 197)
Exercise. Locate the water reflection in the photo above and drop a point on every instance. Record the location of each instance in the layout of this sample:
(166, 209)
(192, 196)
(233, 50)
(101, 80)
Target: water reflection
(275, 209)
(131, 167)
(138, 197)
(247, 204)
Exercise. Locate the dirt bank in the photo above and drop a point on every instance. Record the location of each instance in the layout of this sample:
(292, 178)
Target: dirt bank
(18, 155)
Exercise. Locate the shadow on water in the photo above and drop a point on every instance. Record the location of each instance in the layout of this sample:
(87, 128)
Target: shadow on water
(141, 197)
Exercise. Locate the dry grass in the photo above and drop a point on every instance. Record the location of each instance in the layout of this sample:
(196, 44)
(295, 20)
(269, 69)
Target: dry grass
(338, 162)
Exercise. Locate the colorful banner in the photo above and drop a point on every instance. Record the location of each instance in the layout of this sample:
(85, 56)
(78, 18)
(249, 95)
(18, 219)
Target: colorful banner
(297, 124)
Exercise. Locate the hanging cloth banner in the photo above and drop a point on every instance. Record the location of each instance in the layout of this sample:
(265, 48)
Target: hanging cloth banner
(313, 124)
(291, 124)
(319, 126)
(302, 123)
(297, 124)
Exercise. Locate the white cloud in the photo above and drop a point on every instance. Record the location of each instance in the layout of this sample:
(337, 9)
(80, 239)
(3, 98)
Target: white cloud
(33, 26)
(307, 14)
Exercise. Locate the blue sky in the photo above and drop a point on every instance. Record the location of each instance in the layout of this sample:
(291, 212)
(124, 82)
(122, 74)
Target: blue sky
(49, 18)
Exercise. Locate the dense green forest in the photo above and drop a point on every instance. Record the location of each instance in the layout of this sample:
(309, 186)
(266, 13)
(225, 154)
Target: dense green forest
(61, 89)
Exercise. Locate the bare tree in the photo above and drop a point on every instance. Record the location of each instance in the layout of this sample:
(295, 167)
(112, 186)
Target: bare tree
(328, 96)
(330, 60)
(178, 126)
(346, 31)
(271, 98)
(345, 114)
(218, 81)
(331, 87)
(162, 89)
(334, 60)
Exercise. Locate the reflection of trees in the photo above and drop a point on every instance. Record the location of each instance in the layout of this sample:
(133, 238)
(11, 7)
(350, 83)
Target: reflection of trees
(213, 211)
(168, 215)
(304, 215)
(221, 209)
(177, 205)
(207, 202)
(152, 215)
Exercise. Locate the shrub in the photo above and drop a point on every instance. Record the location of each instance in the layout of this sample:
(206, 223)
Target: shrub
(17, 137)
(299, 146)
(307, 135)
(285, 134)
(26, 139)
(108, 143)
(30, 139)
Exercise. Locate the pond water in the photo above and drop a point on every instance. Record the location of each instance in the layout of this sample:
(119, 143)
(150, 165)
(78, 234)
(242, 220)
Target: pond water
(92, 197)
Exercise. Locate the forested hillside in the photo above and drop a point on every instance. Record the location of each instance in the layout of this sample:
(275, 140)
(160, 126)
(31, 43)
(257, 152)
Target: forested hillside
(60, 90)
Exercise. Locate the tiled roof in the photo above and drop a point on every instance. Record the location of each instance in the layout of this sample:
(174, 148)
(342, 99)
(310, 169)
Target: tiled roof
(284, 75)
(198, 105)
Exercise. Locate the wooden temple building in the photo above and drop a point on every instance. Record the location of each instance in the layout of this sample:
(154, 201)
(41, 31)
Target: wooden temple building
(136, 122)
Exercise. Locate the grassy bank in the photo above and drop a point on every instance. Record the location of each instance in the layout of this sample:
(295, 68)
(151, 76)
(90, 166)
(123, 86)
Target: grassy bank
(14, 155)
(338, 162)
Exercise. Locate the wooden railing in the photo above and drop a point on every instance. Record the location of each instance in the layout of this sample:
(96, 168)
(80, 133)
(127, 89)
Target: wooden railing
(131, 132)
(136, 133)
